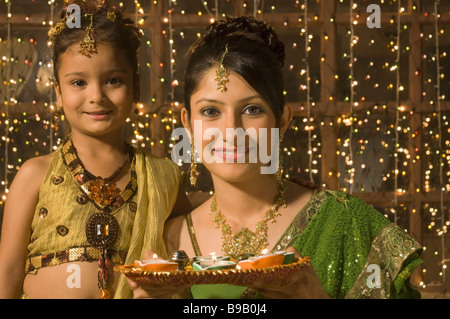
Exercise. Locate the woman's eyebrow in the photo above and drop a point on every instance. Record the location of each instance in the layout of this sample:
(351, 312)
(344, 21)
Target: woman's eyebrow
(245, 99)
(207, 100)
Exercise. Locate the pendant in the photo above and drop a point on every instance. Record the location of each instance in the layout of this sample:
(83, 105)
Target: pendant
(101, 230)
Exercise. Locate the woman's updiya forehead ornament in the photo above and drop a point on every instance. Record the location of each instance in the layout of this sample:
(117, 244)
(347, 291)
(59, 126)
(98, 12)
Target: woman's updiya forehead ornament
(222, 74)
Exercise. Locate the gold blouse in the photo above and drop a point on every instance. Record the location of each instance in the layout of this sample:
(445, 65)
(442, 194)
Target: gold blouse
(58, 226)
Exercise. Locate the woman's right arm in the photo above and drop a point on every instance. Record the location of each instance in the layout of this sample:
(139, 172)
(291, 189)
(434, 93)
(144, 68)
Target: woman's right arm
(16, 226)
(172, 234)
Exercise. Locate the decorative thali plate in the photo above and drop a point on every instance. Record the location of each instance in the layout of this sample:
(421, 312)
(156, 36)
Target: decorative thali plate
(221, 276)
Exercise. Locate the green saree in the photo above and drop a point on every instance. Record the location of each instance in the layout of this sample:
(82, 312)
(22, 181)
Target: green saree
(355, 251)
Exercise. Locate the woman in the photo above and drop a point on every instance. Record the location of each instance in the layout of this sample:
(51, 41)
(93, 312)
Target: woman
(234, 81)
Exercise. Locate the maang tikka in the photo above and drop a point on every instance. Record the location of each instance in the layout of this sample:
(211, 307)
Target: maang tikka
(222, 73)
(87, 46)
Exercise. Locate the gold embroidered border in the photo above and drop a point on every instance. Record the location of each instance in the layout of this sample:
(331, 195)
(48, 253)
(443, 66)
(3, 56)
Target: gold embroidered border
(390, 248)
(300, 221)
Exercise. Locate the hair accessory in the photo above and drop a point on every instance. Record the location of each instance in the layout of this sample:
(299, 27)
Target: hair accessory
(87, 46)
(111, 16)
(222, 74)
(56, 30)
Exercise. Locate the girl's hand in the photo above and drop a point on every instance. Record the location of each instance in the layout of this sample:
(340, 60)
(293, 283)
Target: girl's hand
(304, 284)
(143, 291)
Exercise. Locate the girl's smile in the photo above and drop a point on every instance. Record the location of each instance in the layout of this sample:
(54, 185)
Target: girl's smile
(99, 115)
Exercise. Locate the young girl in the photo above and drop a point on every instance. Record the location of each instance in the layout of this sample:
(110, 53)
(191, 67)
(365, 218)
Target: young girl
(234, 80)
(95, 201)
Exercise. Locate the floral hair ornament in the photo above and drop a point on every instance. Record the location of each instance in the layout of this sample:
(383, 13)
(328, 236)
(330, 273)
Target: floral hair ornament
(56, 30)
(222, 74)
(111, 16)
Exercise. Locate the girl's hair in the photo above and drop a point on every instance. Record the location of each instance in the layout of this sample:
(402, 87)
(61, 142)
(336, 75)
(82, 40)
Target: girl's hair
(254, 52)
(119, 32)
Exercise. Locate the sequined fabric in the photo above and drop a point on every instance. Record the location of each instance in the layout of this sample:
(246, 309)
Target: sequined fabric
(345, 236)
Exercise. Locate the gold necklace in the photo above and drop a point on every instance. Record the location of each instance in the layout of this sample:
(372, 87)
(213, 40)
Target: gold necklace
(244, 241)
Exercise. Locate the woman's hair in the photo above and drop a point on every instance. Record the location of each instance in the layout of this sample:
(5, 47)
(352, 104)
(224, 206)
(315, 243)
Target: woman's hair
(108, 25)
(254, 52)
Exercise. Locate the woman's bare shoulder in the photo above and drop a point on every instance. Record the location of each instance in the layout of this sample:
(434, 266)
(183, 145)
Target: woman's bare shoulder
(176, 232)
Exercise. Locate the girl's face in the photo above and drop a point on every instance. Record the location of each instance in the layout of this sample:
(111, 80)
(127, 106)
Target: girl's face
(223, 115)
(95, 92)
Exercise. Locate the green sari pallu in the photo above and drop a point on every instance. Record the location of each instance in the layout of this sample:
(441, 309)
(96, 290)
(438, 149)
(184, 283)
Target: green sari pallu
(355, 251)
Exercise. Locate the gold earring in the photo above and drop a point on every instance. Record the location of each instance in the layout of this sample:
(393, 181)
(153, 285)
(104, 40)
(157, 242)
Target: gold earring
(279, 173)
(57, 117)
(193, 172)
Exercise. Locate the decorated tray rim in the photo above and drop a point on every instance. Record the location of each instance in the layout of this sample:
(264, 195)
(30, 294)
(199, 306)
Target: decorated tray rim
(134, 272)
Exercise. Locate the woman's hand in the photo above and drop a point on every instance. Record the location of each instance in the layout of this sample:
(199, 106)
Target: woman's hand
(142, 291)
(303, 284)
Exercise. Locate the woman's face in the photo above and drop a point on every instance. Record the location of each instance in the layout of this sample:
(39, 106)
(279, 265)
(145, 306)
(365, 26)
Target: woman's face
(95, 92)
(234, 127)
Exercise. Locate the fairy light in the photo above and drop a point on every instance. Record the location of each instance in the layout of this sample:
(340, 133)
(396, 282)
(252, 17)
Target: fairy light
(8, 96)
(205, 5)
(172, 62)
(397, 112)
(256, 5)
(308, 90)
(52, 109)
(353, 83)
(439, 117)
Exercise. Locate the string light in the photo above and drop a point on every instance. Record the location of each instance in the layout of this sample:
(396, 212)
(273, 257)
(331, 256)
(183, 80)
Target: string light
(439, 117)
(6, 137)
(397, 112)
(353, 83)
(308, 91)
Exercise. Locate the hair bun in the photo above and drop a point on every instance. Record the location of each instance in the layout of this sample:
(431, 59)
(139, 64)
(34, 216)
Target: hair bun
(250, 28)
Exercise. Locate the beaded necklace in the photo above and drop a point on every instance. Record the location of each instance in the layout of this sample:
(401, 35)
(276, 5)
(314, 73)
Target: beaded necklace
(102, 227)
(246, 242)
